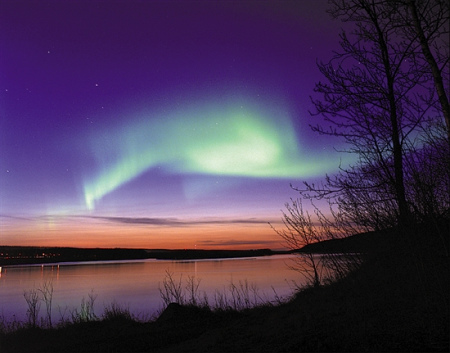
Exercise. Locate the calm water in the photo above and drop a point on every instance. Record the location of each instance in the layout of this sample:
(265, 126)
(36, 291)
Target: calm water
(136, 284)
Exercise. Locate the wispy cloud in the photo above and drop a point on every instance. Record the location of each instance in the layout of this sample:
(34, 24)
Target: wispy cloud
(233, 242)
(150, 221)
(177, 222)
(15, 217)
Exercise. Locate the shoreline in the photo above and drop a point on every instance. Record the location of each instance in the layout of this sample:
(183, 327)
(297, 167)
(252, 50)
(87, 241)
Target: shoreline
(11, 256)
(125, 261)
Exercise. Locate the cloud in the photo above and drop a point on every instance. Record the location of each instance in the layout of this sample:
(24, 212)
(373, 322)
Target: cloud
(232, 242)
(173, 222)
(15, 217)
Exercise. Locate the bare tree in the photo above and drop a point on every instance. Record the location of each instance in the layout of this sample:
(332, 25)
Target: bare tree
(367, 94)
(377, 98)
(299, 232)
(428, 22)
(301, 229)
(428, 184)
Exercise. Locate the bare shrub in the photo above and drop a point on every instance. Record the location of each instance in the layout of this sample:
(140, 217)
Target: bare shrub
(172, 290)
(243, 296)
(192, 285)
(236, 296)
(115, 311)
(86, 312)
(34, 305)
(301, 230)
(47, 296)
(63, 316)
(8, 326)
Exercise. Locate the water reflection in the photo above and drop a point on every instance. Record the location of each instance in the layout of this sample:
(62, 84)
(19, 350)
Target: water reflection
(136, 283)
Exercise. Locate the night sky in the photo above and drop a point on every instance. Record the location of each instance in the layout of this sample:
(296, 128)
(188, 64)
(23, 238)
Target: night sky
(158, 124)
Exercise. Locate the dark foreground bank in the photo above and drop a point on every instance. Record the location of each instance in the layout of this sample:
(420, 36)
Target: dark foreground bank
(397, 301)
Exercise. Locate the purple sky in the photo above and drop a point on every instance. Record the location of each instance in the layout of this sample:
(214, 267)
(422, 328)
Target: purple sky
(157, 123)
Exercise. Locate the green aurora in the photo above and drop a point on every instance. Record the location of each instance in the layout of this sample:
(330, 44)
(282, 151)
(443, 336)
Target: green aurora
(222, 140)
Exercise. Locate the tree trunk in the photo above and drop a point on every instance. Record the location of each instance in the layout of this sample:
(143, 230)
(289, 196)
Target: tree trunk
(399, 183)
(437, 77)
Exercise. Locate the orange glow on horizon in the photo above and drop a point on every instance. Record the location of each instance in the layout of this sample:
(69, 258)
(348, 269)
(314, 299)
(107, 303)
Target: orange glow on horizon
(110, 235)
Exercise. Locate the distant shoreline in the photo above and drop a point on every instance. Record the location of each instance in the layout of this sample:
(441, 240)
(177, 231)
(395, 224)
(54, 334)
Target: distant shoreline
(35, 255)
(32, 255)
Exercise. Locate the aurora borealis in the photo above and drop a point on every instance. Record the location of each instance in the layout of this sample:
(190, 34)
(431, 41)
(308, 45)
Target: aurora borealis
(210, 140)
(157, 124)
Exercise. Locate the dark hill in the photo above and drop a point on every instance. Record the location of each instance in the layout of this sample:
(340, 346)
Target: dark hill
(359, 243)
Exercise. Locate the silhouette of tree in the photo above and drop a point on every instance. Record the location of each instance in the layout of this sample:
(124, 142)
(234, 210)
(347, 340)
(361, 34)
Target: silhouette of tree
(428, 22)
(301, 230)
(378, 99)
(385, 94)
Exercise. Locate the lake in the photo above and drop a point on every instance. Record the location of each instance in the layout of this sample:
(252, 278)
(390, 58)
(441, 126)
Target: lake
(136, 284)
